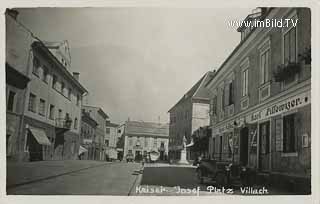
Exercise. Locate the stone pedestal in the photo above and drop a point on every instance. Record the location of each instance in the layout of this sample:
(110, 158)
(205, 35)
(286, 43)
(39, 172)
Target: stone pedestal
(183, 158)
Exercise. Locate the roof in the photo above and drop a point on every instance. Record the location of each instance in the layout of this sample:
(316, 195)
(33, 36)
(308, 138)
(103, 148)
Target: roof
(147, 128)
(197, 90)
(104, 115)
(41, 46)
(112, 125)
(86, 117)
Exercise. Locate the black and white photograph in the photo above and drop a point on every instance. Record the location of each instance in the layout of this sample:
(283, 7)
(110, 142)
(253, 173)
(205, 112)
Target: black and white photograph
(159, 101)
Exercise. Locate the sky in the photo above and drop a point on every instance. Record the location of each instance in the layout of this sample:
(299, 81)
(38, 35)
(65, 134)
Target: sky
(138, 62)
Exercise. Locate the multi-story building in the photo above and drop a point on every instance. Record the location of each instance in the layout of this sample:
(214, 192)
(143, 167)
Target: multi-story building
(88, 134)
(142, 138)
(51, 106)
(187, 115)
(120, 141)
(100, 117)
(261, 111)
(111, 139)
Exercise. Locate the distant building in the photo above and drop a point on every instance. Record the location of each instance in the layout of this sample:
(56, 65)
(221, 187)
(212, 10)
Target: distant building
(88, 134)
(120, 141)
(142, 138)
(100, 117)
(111, 139)
(51, 104)
(187, 115)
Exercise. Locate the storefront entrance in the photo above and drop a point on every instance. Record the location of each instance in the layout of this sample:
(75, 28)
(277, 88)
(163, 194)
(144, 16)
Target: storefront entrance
(264, 146)
(244, 133)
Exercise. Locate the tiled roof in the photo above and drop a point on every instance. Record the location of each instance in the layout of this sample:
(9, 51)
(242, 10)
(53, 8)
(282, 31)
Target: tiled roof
(147, 128)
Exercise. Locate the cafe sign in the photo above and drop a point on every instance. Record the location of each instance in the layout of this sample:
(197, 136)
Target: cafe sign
(280, 107)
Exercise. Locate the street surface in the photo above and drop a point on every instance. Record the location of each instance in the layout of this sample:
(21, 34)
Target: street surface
(81, 177)
(108, 179)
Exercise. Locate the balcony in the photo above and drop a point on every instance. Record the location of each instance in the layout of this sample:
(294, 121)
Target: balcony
(63, 124)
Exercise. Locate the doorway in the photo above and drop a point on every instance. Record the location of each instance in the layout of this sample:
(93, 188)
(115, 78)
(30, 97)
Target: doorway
(264, 146)
(244, 140)
(35, 149)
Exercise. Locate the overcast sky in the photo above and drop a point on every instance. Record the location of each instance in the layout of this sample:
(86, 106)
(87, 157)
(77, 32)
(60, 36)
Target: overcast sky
(138, 62)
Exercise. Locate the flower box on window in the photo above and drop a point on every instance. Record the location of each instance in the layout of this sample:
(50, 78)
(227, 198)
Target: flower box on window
(286, 71)
(305, 56)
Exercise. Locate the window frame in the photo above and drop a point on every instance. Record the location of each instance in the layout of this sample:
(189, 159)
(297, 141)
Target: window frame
(35, 66)
(9, 104)
(32, 104)
(42, 110)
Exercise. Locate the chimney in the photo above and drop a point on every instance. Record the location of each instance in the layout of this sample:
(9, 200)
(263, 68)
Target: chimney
(13, 13)
(76, 75)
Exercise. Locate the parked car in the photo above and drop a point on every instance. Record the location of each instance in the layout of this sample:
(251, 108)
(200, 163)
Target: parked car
(129, 157)
(223, 172)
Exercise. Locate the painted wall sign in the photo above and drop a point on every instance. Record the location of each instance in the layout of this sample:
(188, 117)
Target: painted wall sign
(270, 111)
(280, 107)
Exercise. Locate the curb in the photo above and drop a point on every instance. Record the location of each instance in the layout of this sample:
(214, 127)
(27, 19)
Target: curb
(136, 182)
(53, 176)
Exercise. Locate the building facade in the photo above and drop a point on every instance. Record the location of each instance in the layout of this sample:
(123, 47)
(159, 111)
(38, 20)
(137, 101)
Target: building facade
(187, 115)
(111, 140)
(51, 106)
(99, 141)
(261, 100)
(88, 135)
(141, 138)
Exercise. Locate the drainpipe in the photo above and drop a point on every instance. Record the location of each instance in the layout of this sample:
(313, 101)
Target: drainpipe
(20, 131)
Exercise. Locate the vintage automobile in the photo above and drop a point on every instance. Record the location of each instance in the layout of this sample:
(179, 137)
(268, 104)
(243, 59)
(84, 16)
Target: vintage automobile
(129, 157)
(224, 173)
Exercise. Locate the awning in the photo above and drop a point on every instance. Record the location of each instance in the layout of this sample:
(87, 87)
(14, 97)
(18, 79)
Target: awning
(40, 135)
(82, 150)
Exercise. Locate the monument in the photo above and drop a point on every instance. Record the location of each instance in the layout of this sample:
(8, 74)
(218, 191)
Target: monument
(183, 158)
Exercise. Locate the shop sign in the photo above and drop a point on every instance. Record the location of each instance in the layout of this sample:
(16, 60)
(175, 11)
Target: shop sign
(280, 107)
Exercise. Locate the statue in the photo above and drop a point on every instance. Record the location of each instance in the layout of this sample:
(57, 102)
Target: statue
(184, 141)
(183, 156)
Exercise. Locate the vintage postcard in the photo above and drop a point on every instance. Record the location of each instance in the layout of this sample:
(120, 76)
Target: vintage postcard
(159, 101)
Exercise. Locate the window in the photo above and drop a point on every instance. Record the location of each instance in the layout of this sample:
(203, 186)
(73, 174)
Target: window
(146, 142)
(222, 98)
(36, 65)
(264, 66)
(60, 114)
(69, 93)
(78, 100)
(62, 87)
(32, 103)
(213, 105)
(290, 45)
(54, 81)
(42, 107)
(289, 136)
(45, 74)
(231, 93)
(245, 75)
(290, 51)
(108, 130)
(106, 142)
(11, 101)
(130, 141)
(119, 131)
(75, 123)
(155, 142)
